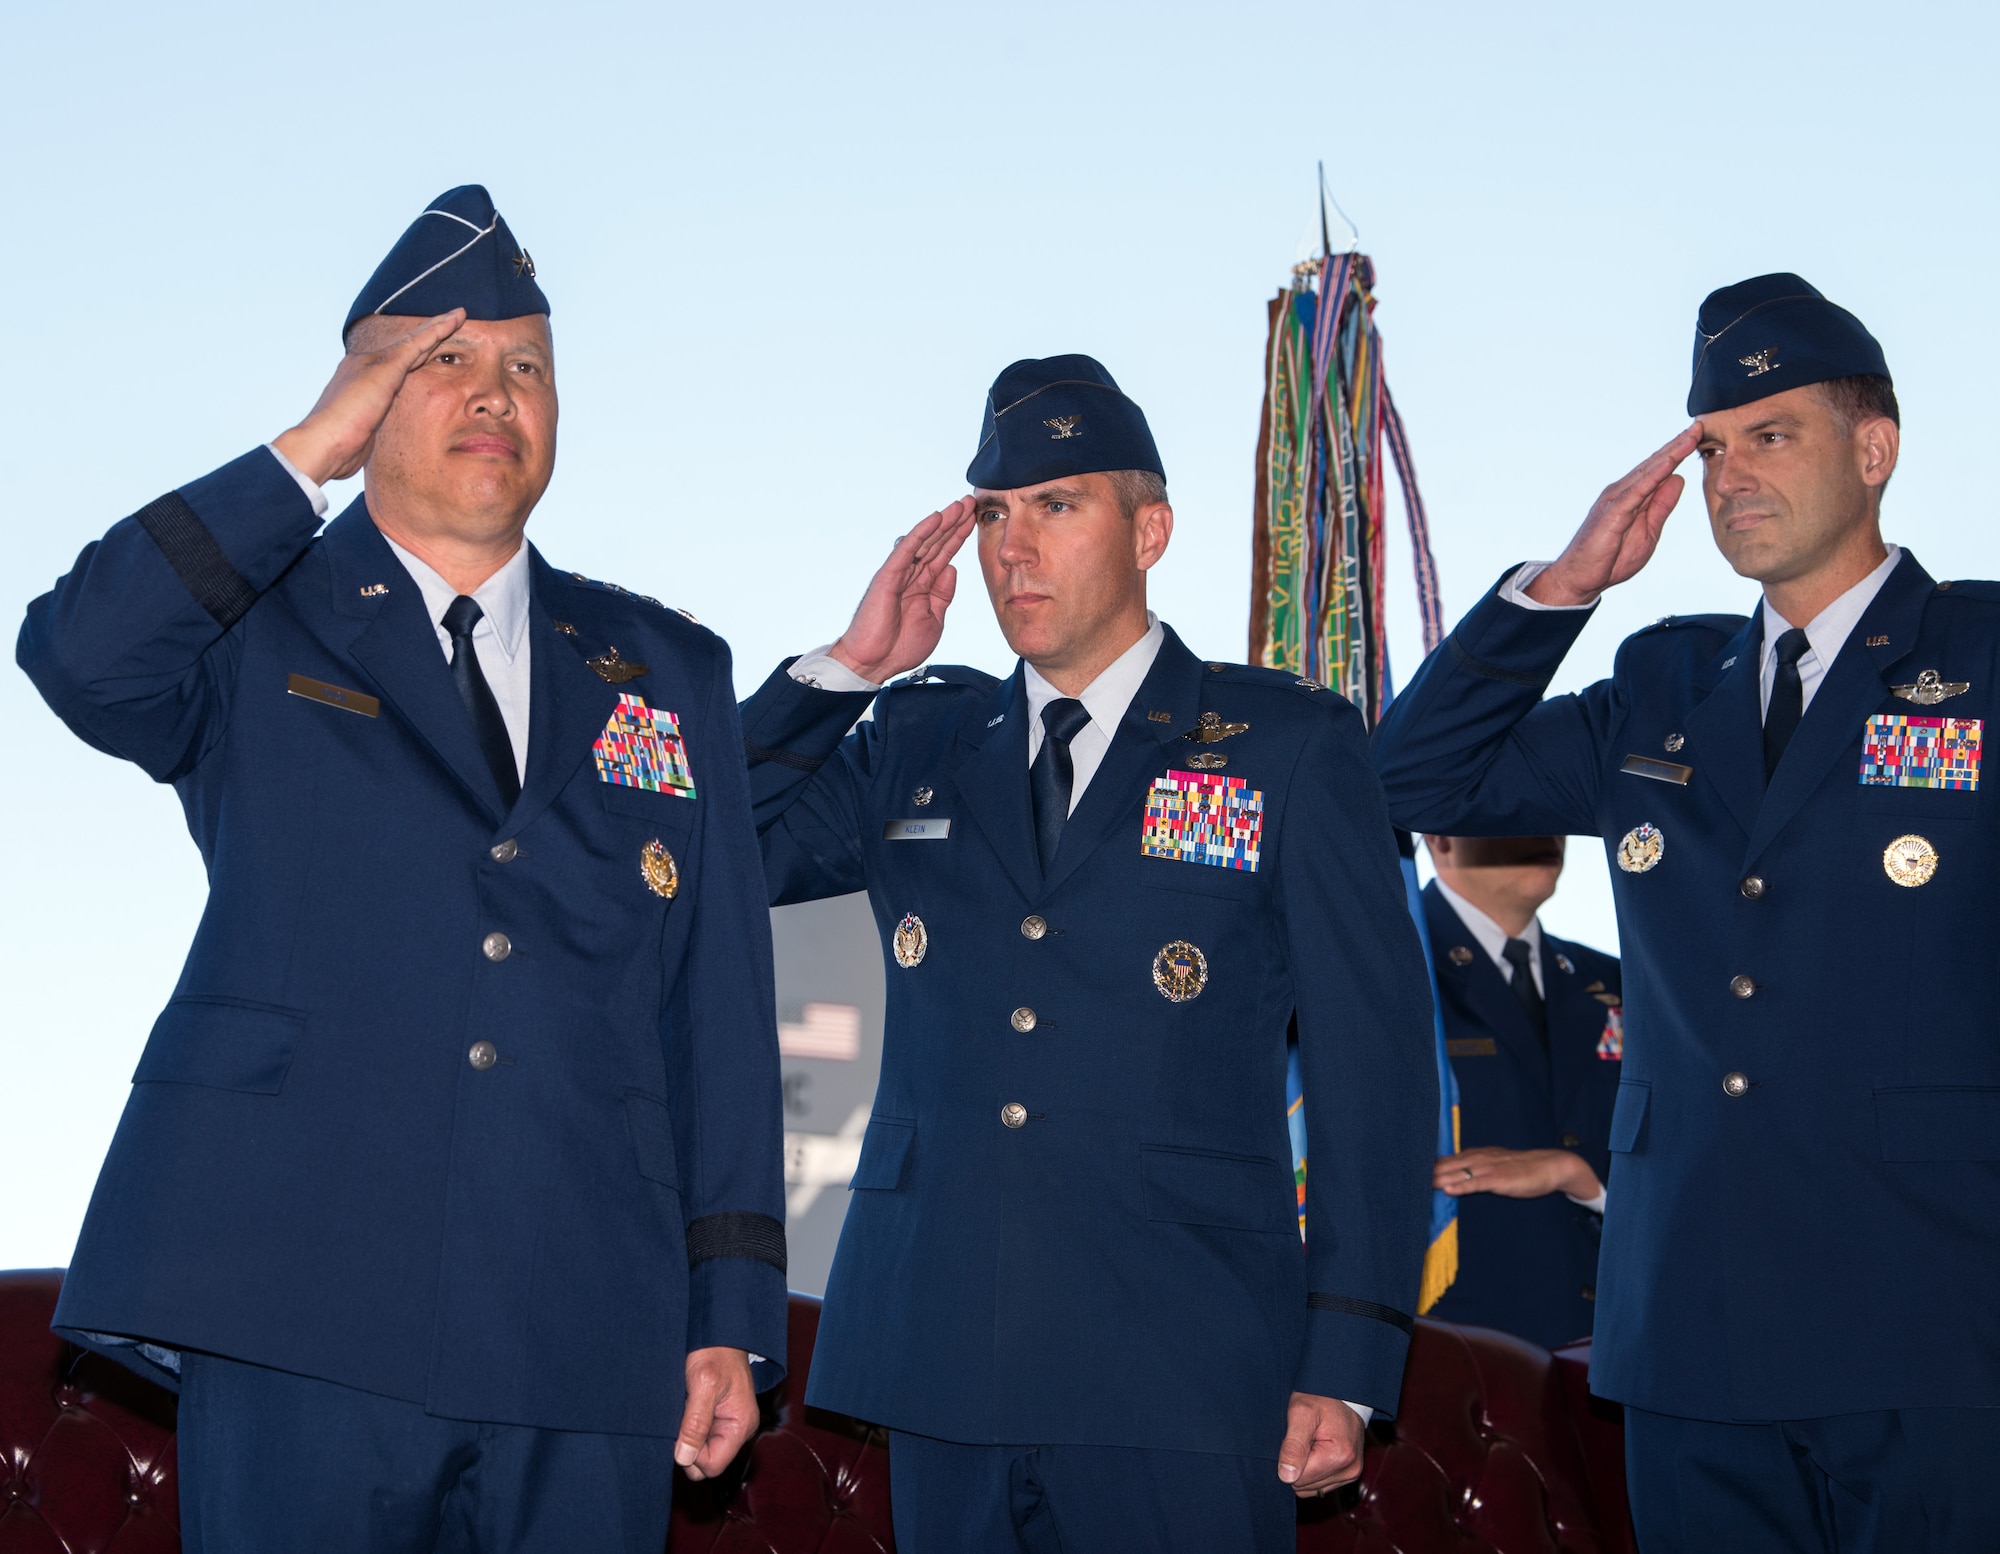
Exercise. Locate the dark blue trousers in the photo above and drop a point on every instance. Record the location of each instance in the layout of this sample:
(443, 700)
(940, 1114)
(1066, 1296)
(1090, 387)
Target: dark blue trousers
(1902, 1481)
(272, 1461)
(955, 1499)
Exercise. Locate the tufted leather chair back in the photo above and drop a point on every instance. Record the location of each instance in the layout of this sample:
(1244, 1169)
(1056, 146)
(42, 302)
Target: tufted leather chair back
(1498, 1449)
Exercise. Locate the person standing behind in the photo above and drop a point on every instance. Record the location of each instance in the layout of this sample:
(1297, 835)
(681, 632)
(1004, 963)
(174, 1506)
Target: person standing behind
(1792, 1292)
(449, 1189)
(1070, 1279)
(1534, 1027)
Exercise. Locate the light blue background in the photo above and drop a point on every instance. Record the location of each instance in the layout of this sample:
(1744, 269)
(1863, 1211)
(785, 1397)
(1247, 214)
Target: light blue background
(788, 247)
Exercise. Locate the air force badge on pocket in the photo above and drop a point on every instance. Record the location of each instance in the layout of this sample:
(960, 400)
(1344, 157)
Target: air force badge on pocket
(1197, 817)
(641, 748)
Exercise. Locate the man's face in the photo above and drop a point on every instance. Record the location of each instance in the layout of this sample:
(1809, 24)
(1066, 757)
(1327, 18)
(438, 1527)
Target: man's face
(1788, 484)
(1063, 563)
(1522, 869)
(470, 443)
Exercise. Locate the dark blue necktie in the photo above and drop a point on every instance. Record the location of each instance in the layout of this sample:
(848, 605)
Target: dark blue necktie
(1526, 994)
(1052, 775)
(460, 616)
(1781, 719)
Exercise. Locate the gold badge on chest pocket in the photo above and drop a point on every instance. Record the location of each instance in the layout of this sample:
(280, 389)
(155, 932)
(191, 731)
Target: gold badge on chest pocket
(1910, 861)
(658, 869)
(1641, 848)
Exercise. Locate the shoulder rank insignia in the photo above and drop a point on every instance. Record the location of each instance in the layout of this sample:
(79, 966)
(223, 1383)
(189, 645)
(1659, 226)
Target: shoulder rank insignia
(1210, 727)
(1930, 688)
(613, 669)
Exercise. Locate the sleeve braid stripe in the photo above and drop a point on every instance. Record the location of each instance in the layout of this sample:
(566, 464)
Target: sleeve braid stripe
(737, 1234)
(1351, 1306)
(1488, 671)
(197, 559)
(791, 758)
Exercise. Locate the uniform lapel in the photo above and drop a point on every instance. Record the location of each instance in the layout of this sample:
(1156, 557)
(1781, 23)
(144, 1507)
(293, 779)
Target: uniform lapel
(397, 644)
(992, 779)
(1855, 685)
(568, 705)
(1483, 986)
(1573, 1015)
(1726, 729)
(1117, 790)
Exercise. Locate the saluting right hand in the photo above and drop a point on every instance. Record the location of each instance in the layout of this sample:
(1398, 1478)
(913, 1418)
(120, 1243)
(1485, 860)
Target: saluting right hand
(901, 616)
(334, 439)
(1622, 531)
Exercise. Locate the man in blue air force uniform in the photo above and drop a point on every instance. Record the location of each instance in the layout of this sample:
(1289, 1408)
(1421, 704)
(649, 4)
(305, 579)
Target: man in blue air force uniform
(1534, 1029)
(1070, 1278)
(449, 1187)
(1794, 1296)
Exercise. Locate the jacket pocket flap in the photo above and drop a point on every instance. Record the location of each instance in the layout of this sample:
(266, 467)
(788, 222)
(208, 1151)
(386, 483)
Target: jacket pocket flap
(222, 1043)
(652, 1139)
(1234, 1192)
(665, 807)
(1628, 1116)
(884, 1148)
(1939, 1123)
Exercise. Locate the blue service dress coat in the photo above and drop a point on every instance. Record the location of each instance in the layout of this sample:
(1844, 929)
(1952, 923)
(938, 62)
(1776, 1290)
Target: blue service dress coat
(1806, 1147)
(317, 1169)
(1074, 1218)
(1527, 1266)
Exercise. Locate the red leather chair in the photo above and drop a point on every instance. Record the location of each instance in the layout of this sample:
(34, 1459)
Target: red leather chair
(1498, 1449)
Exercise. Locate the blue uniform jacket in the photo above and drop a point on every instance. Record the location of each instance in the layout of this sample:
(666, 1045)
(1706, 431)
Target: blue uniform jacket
(1816, 1236)
(1527, 1266)
(311, 1173)
(1124, 1267)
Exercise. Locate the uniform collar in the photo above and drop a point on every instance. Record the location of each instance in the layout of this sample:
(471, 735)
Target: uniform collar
(1106, 697)
(1491, 937)
(502, 598)
(1828, 631)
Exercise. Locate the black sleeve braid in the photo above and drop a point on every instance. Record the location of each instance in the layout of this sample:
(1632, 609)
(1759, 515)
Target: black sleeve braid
(737, 1234)
(197, 559)
(1488, 671)
(791, 758)
(1318, 1300)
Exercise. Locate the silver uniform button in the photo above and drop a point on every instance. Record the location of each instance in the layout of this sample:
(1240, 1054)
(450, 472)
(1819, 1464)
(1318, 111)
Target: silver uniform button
(1753, 887)
(1024, 1019)
(1034, 927)
(1014, 1114)
(483, 1055)
(496, 946)
(503, 852)
(1735, 1084)
(1742, 987)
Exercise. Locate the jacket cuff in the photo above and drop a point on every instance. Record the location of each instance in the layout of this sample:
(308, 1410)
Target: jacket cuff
(1501, 640)
(740, 1302)
(1354, 1351)
(250, 511)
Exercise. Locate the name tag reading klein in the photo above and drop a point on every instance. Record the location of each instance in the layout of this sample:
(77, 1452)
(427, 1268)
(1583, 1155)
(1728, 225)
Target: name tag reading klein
(916, 830)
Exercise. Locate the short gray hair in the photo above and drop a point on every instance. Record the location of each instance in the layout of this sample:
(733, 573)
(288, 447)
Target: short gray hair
(1138, 488)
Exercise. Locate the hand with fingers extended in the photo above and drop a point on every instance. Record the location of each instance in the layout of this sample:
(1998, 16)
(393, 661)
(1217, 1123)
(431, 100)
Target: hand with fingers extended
(901, 616)
(1515, 1173)
(1322, 1446)
(334, 439)
(721, 1411)
(1621, 532)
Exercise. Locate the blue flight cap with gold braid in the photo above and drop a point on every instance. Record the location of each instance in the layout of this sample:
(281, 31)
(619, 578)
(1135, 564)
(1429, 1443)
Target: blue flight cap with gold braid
(457, 254)
(1772, 333)
(1059, 416)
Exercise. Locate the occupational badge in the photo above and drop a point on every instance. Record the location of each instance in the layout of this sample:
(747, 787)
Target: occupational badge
(1209, 727)
(1461, 955)
(1641, 848)
(911, 941)
(613, 669)
(641, 748)
(922, 797)
(1195, 818)
(658, 869)
(1905, 752)
(1910, 861)
(1930, 688)
(1180, 971)
(1207, 760)
(1611, 1045)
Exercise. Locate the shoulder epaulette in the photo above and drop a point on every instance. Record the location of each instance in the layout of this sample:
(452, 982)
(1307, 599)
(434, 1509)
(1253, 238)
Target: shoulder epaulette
(616, 588)
(1277, 679)
(947, 674)
(1727, 625)
(1971, 588)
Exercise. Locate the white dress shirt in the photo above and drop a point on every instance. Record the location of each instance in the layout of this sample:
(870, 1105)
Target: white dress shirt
(500, 640)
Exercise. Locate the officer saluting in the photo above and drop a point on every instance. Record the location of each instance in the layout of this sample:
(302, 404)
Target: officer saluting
(452, 1170)
(1804, 1189)
(1070, 1278)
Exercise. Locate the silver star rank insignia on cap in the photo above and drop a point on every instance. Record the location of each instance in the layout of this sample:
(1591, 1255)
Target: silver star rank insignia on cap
(1759, 362)
(1064, 425)
(1930, 688)
(524, 264)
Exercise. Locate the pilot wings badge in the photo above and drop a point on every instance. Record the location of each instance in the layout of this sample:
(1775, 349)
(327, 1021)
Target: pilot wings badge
(1930, 688)
(1210, 727)
(615, 670)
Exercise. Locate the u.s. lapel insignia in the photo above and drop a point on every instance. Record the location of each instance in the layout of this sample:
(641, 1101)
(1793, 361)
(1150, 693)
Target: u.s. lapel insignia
(374, 590)
(1930, 688)
(1159, 717)
(1910, 861)
(1064, 427)
(658, 869)
(641, 747)
(1207, 760)
(1641, 848)
(1180, 971)
(912, 940)
(1209, 727)
(613, 669)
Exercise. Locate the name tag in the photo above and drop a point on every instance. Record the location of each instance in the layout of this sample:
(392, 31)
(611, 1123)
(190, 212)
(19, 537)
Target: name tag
(333, 695)
(1659, 771)
(916, 831)
(1472, 1047)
